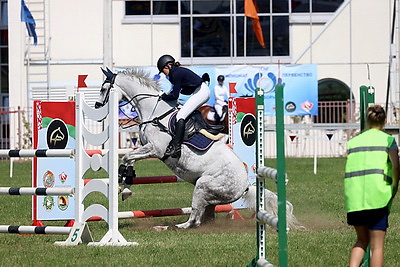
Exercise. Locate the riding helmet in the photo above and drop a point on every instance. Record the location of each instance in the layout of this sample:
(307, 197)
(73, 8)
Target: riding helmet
(163, 61)
(220, 78)
(205, 77)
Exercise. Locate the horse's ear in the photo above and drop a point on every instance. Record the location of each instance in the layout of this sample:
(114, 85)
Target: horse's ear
(103, 70)
(109, 71)
(109, 74)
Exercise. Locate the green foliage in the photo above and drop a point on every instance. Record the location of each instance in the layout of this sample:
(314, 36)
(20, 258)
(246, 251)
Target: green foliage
(317, 199)
(27, 132)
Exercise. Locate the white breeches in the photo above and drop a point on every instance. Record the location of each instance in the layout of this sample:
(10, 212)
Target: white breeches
(197, 99)
(218, 108)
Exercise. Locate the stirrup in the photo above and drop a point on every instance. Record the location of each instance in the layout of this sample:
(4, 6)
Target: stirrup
(172, 151)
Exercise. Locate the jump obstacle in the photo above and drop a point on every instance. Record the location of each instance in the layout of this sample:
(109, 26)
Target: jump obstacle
(279, 176)
(94, 156)
(108, 160)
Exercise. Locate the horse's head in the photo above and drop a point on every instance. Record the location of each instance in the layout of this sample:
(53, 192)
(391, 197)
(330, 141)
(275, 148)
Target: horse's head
(105, 88)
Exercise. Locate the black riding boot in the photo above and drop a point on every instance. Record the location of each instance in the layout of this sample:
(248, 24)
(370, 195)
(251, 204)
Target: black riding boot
(174, 147)
(217, 118)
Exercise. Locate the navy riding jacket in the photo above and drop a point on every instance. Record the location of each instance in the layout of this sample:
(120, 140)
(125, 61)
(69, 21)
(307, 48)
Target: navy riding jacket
(184, 81)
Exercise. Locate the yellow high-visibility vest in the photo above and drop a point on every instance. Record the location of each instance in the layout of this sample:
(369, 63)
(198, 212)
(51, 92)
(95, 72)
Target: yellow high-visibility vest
(368, 177)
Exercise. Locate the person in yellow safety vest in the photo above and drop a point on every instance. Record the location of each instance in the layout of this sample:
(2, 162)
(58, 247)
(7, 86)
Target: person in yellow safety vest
(370, 184)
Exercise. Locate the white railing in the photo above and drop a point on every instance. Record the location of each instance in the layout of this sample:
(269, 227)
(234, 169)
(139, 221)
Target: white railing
(303, 137)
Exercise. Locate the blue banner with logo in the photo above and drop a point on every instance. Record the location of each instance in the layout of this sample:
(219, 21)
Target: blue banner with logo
(300, 84)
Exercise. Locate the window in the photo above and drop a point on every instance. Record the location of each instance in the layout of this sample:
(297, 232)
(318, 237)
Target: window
(3, 14)
(209, 38)
(218, 30)
(151, 7)
(3, 51)
(316, 5)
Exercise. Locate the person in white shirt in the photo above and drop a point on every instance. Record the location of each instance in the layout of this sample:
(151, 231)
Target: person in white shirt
(221, 99)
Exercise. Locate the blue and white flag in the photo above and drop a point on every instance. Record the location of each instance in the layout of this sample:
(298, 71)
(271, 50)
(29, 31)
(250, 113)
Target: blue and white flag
(27, 17)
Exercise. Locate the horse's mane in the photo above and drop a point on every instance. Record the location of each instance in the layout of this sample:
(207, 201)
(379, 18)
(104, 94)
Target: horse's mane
(143, 78)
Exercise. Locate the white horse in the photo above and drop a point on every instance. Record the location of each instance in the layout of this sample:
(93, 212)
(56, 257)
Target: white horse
(218, 175)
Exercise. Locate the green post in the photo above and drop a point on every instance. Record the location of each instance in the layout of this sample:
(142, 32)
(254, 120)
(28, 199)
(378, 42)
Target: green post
(280, 149)
(367, 98)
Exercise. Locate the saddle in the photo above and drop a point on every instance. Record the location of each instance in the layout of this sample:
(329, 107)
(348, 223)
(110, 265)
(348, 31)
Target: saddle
(198, 133)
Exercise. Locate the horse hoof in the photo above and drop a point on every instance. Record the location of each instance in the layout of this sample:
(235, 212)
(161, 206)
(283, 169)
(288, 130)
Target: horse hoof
(126, 193)
(160, 228)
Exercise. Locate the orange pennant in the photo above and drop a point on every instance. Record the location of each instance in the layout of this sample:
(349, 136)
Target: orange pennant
(251, 12)
(250, 9)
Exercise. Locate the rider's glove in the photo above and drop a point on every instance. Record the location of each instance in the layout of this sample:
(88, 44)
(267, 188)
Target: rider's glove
(160, 95)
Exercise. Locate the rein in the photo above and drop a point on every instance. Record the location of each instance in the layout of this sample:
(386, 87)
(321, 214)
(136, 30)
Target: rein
(155, 121)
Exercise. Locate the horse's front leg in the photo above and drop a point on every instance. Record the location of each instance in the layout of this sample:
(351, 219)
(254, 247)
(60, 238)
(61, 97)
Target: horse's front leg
(126, 171)
(143, 152)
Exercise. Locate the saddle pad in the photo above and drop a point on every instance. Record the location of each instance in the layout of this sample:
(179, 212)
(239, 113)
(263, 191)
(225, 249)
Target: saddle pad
(197, 141)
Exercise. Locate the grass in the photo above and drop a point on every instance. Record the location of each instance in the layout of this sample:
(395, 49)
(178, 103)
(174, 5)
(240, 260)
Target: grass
(317, 199)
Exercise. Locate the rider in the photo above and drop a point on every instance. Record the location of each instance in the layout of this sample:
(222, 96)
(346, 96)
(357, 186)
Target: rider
(186, 82)
(221, 98)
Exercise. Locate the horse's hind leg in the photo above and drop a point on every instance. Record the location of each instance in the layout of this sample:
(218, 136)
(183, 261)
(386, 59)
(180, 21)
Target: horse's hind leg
(209, 214)
(202, 208)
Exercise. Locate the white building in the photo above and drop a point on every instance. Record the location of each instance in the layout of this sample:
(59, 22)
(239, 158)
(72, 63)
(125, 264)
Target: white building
(350, 41)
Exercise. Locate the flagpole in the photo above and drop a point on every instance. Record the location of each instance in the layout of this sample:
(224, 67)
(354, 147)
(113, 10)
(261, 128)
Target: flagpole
(107, 34)
(315, 152)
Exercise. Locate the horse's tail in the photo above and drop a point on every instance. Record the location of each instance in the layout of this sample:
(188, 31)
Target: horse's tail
(271, 206)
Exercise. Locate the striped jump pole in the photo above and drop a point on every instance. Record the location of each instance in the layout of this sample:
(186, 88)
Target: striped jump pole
(21, 153)
(40, 153)
(161, 212)
(40, 230)
(36, 191)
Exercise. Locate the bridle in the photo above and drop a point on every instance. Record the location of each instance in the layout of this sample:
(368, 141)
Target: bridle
(155, 121)
(111, 81)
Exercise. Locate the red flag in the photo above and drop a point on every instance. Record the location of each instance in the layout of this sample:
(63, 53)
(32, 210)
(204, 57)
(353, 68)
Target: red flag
(251, 12)
(81, 81)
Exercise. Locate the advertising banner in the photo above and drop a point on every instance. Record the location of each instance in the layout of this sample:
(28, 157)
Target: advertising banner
(300, 84)
(242, 136)
(53, 128)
